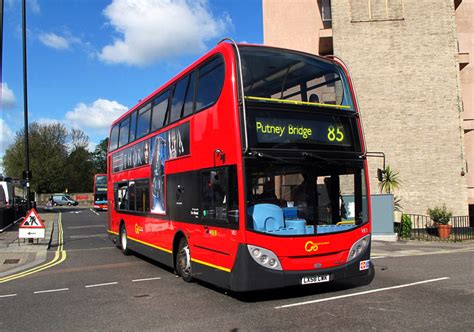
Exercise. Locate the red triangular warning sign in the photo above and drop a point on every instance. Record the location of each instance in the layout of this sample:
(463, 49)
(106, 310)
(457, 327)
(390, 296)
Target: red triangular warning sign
(32, 220)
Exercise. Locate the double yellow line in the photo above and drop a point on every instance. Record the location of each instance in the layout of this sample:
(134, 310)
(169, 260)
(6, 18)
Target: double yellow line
(59, 257)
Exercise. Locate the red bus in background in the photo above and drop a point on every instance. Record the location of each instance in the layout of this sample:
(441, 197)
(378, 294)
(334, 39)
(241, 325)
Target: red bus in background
(246, 170)
(100, 191)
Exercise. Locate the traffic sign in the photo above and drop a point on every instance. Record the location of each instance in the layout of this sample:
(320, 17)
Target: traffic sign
(32, 226)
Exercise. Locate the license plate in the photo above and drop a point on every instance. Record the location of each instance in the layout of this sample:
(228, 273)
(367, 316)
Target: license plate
(315, 279)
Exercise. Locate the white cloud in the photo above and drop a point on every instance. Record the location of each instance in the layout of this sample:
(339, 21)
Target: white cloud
(34, 6)
(98, 116)
(7, 136)
(8, 97)
(152, 30)
(54, 41)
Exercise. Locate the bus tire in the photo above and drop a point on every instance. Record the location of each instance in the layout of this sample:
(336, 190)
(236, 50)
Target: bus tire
(183, 261)
(123, 240)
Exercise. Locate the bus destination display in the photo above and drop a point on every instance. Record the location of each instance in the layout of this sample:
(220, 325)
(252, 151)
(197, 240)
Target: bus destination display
(330, 130)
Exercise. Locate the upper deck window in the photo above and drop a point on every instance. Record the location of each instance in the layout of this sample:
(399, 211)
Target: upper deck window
(287, 75)
(159, 111)
(178, 100)
(133, 124)
(143, 121)
(189, 101)
(124, 131)
(114, 138)
(210, 82)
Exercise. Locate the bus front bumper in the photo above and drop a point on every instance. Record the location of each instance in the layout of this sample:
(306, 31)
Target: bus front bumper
(248, 275)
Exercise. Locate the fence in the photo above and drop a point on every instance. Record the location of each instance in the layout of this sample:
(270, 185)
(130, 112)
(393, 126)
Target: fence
(421, 227)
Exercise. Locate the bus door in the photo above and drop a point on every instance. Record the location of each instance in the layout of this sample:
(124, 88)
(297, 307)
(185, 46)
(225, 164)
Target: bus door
(219, 215)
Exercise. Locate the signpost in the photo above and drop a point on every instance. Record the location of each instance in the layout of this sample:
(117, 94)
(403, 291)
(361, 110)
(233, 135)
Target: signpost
(32, 227)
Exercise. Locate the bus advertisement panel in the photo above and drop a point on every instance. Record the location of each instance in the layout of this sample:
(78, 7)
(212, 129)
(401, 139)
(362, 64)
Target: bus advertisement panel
(246, 170)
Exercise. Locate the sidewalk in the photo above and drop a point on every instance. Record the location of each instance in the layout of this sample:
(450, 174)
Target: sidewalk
(403, 248)
(17, 255)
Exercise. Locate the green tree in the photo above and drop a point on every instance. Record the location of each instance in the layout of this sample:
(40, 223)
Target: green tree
(78, 139)
(79, 171)
(48, 153)
(99, 156)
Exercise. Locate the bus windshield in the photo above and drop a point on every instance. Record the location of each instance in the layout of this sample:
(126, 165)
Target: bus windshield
(100, 189)
(282, 75)
(305, 199)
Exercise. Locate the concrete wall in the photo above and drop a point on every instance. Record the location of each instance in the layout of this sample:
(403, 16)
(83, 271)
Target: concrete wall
(81, 198)
(285, 24)
(465, 32)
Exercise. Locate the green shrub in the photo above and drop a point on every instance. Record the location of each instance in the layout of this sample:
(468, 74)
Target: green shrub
(440, 215)
(405, 229)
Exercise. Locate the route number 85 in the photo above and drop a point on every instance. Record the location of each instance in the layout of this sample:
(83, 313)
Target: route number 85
(335, 134)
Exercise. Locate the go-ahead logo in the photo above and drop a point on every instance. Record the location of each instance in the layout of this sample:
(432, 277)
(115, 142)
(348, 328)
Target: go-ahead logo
(312, 246)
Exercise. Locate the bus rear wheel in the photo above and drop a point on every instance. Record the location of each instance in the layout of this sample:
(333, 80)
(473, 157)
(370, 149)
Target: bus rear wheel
(183, 261)
(123, 240)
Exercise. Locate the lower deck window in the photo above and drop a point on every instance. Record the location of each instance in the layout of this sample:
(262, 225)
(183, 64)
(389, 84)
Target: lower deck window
(133, 196)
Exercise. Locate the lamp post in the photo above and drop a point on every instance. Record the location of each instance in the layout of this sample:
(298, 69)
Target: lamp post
(26, 172)
(1, 40)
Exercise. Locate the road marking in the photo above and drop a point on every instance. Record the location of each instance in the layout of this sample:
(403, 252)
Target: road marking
(60, 256)
(146, 279)
(88, 226)
(51, 290)
(8, 295)
(96, 213)
(104, 284)
(361, 293)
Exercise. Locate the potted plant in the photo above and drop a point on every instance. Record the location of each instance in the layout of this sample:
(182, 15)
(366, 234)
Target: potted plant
(440, 217)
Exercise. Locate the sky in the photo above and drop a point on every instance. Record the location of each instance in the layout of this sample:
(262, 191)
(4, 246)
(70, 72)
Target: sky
(89, 61)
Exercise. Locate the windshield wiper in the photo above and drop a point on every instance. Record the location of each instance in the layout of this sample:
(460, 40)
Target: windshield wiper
(312, 156)
(266, 156)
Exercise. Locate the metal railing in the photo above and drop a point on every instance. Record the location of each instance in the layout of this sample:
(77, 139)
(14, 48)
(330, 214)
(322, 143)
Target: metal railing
(422, 227)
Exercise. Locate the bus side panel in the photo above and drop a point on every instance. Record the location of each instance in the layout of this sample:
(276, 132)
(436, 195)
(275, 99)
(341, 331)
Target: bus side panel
(160, 256)
(212, 244)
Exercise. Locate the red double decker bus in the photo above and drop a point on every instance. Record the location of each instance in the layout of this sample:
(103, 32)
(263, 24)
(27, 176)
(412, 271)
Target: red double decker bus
(247, 170)
(100, 191)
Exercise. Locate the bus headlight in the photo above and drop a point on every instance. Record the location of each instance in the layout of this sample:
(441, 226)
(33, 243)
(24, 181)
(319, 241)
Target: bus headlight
(264, 257)
(358, 248)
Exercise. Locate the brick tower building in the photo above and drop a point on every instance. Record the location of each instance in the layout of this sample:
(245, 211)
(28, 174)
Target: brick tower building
(410, 63)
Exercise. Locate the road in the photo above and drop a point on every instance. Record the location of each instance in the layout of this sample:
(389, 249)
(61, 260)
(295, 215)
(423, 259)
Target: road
(96, 287)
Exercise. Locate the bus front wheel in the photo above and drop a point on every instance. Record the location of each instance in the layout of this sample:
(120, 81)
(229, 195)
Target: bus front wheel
(183, 260)
(124, 240)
